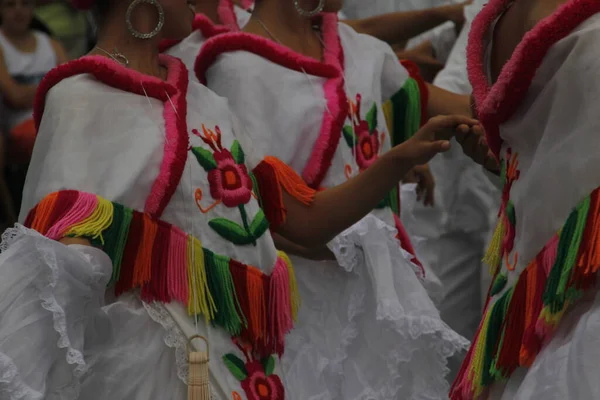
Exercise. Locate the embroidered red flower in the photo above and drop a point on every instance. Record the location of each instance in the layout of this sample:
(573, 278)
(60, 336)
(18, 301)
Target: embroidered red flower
(362, 136)
(227, 174)
(259, 386)
(257, 377)
(230, 184)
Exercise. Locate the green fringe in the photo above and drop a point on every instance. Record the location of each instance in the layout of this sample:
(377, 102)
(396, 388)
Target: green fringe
(499, 284)
(220, 284)
(493, 333)
(406, 109)
(556, 294)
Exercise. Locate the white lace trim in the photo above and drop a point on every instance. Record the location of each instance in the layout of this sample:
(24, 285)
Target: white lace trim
(11, 383)
(49, 303)
(443, 341)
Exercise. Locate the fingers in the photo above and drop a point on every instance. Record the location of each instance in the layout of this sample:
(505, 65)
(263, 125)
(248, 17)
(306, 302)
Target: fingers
(450, 121)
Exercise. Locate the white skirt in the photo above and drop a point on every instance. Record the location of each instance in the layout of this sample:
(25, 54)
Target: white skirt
(367, 329)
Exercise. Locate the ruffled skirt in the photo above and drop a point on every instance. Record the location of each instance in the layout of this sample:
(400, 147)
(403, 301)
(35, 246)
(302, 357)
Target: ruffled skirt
(367, 328)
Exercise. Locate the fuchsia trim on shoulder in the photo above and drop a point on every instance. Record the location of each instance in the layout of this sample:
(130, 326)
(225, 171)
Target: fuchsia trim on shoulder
(331, 69)
(201, 23)
(227, 15)
(497, 103)
(173, 90)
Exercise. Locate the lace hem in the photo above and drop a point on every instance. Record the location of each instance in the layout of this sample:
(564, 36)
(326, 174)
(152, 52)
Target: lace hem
(426, 331)
(174, 337)
(11, 383)
(49, 302)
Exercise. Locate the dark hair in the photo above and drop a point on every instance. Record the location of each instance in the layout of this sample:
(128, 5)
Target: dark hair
(100, 10)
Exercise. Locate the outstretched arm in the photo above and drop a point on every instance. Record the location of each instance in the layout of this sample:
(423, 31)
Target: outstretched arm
(336, 209)
(401, 26)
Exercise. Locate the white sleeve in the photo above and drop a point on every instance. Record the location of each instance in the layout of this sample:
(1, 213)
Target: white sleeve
(92, 139)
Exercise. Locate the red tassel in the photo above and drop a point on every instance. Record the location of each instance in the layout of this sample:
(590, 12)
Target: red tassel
(157, 288)
(508, 357)
(136, 227)
(239, 274)
(30, 217)
(270, 194)
(64, 202)
(531, 344)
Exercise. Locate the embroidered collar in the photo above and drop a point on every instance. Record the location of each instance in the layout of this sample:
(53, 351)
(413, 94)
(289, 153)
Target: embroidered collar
(173, 90)
(331, 68)
(201, 24)
(497, 103)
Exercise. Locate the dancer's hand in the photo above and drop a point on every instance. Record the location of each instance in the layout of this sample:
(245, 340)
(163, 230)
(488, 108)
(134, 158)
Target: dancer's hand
(434, 137)
(475, 146)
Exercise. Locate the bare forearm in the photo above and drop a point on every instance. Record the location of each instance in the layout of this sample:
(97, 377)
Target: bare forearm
(318, 254)
(400, 26)
(443, 102)
(335, 209)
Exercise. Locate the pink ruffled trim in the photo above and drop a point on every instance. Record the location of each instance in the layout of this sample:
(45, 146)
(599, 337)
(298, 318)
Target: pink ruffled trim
(227, 15)
(498, 103)
(173, 90)
(337, 105)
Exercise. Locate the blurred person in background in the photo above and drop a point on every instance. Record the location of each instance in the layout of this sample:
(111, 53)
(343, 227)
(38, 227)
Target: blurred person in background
(71, 27)
(26, 55)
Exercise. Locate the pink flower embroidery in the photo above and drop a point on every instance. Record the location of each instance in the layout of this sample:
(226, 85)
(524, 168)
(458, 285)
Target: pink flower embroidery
(258, 386)
(257, 377)
(362, 136)
(227, 174)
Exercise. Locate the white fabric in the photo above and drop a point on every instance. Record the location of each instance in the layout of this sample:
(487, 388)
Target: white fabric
(26, 69)
(243, 16)
(556, 120)
(360, 335)
(109, 142)
(454, 233)
(442, 39)
(187, 49)
(363, 9)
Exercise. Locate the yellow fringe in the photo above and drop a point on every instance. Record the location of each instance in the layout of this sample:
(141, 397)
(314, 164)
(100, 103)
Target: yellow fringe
(93, 226)
(200, 299)
(294, 293)
(493, 256)
(477, 361)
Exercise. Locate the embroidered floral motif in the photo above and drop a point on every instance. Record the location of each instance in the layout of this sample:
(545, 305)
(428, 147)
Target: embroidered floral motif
(257, 377)
(362, 136)
(230, 184)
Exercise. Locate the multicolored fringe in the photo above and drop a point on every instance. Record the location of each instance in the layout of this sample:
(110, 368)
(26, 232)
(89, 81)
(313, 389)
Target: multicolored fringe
(517, 324)
(272, 176)
(170, 265)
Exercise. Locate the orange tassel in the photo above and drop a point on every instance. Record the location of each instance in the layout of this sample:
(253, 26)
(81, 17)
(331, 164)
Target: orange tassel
(43, 213)
(142, 272)
(291, 182)
(257, 305)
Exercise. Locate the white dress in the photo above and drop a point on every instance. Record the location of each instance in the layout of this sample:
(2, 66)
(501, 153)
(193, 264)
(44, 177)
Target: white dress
(467, 202)
(163, 189)
(539, 335)
(368, 327)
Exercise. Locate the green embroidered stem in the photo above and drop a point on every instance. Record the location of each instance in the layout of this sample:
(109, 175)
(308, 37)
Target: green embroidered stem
(245, 223)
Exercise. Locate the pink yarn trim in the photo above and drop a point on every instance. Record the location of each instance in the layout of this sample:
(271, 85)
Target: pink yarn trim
(227, 15)
(177, 282)
(84, 207)
(280, 321)
(174, 88)
(498, 103)
(331, 68)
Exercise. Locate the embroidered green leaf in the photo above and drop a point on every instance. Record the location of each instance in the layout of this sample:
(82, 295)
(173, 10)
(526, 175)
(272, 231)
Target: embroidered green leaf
(269, 365)
(205, 158)
(235, 366)
(259, 224)
(349, 135)
(372, 118)
(231, 231)
(237, 152)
